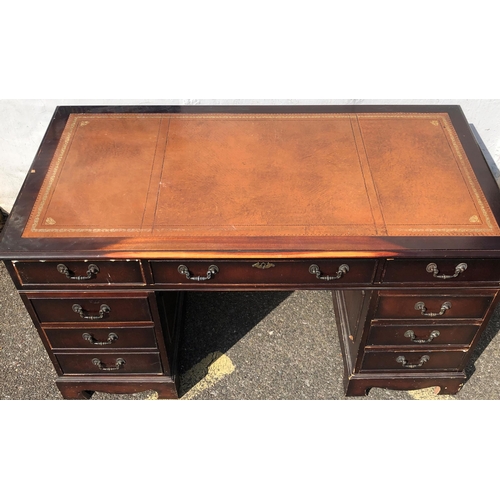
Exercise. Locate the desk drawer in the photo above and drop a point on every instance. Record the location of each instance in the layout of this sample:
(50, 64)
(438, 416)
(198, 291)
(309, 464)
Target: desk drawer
(115, 363)
(428, 334)
(102, 338)
(78, 273)
(91, 310)
(432, 306)
(412, 360)
(441, 271)
(334, 271)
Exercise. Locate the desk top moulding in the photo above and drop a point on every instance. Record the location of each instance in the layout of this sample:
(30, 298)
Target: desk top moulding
(260, 181)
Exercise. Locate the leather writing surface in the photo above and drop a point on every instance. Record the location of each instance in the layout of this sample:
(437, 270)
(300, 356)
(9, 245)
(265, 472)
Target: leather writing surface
(276, 176)
(103, 180)
(422, 181)
(160, 175)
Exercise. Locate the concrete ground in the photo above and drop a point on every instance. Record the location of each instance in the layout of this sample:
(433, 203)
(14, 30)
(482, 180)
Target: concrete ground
(239, 345)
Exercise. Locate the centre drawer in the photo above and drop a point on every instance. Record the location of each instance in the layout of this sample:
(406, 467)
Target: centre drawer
(393, 305)
(320, 272)
(83, 308)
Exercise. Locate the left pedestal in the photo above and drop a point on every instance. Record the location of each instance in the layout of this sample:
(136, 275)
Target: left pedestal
(117, 342)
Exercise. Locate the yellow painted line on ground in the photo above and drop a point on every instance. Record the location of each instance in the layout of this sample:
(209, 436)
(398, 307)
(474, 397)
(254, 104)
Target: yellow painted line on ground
(205, 374)
(428, 393)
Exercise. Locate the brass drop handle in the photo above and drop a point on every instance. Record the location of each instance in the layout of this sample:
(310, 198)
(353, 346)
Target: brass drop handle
(343, 269)
(104, 309)
(92, 271)
(433, 268)
(402, 360)
(420, 306)
(411, 335)
(212, 271)
(112, 337)
(118, 364)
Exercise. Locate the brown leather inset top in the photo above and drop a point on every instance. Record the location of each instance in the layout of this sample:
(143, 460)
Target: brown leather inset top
(266, 175)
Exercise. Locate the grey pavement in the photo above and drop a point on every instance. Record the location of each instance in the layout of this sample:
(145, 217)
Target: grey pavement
(237, 345)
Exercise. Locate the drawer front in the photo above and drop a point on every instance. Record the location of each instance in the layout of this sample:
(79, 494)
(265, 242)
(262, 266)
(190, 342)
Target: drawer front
(78, 273)
(323, 272)
(435, 307)
(116, 363)
(102, 338)
(441, 271)
(412, 360)
(91, 310)
(415, 335)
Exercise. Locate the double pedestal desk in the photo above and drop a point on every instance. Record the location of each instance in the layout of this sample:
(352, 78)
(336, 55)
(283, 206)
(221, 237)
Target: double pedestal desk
(391, 208)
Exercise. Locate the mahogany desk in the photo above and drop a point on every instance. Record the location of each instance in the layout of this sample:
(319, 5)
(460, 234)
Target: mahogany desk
(392, 208)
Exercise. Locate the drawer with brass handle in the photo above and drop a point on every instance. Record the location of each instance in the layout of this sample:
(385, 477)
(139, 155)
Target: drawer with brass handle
(418, 360)
(422, 305)
(79, 273)
(418, 334)
(441, 271)
(115, 363)
(90, 309)
(121, 337)
(319, 272)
